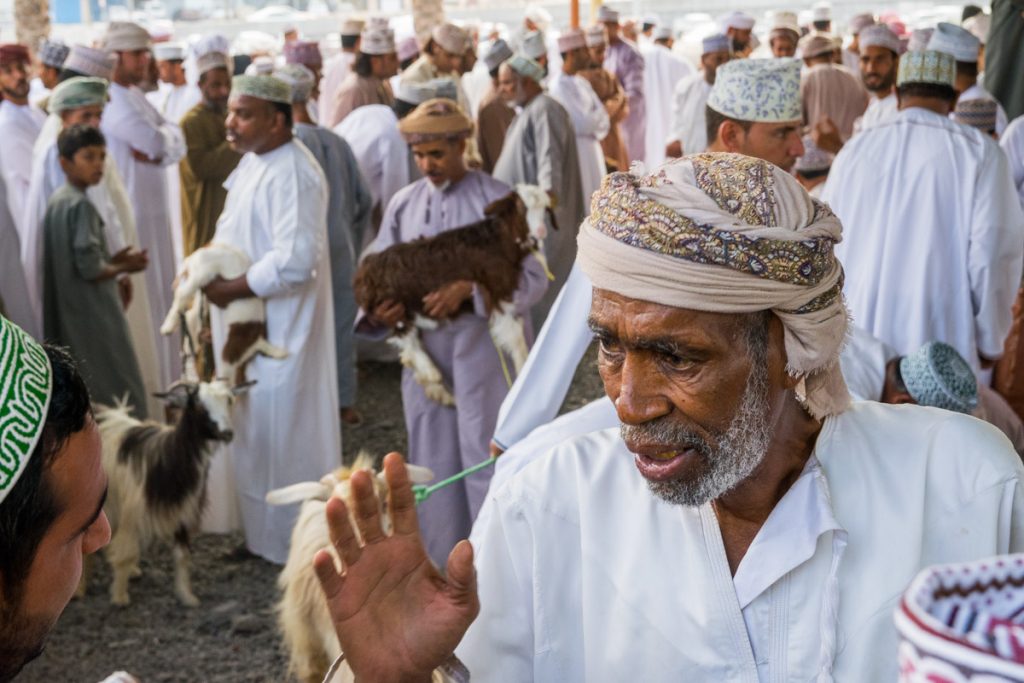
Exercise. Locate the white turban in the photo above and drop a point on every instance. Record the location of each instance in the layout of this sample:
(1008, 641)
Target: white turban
(728, 233)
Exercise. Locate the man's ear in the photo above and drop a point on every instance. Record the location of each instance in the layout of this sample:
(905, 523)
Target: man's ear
(729, 133)
(65, 164)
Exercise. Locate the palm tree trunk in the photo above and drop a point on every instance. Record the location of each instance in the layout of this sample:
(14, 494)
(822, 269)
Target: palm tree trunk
(31, 21)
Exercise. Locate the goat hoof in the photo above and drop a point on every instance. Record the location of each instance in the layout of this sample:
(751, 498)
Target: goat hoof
(188, 599)
(120, 600)
(135, 572)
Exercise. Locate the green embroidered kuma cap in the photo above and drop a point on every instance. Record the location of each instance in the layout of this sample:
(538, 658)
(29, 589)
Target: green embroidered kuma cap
(26, 382)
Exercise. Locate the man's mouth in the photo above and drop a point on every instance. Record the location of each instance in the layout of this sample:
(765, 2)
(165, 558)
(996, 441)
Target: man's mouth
(660, 462)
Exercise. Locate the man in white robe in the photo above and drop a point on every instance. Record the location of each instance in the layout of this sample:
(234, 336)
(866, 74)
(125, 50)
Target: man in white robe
(337, 68)
(540, 149)
(173, 98)
(14, 297)
(589, 117)
(20, 123)
(1012, 142)
(623, 59)
(965, 48)
(663, 71)
(723, 525)
(688, 134)
(81, 101)
(143, 144)
(941, 262)
(286, 428)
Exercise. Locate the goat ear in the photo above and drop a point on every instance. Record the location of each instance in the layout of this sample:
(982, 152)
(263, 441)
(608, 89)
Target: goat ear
(419, 474)
(240, 389)
(177, 395)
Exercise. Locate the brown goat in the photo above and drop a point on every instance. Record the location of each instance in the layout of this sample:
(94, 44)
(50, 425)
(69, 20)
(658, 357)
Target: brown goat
(489, 253)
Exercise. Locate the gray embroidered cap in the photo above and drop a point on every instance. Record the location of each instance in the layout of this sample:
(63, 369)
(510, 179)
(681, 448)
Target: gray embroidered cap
(936, 375)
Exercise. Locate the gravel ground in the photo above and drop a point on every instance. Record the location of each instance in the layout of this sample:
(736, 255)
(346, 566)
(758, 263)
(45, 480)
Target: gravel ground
(232, 637)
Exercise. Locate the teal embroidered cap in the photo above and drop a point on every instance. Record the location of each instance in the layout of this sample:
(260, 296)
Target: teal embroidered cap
(936, 375)
(262, 87)
(26, 381)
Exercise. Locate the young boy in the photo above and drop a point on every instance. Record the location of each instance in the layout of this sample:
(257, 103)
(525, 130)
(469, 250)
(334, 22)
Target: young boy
(81, 305)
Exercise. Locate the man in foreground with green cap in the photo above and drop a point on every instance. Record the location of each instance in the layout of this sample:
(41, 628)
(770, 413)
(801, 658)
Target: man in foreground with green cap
(276, 212)
(52, 489)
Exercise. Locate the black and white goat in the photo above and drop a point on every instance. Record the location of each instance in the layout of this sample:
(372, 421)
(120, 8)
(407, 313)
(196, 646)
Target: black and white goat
(302, 613)
(246, 318)
(489, 253)
(157, 478)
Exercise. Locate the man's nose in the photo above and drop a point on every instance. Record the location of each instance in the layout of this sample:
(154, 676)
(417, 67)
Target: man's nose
(639, 400)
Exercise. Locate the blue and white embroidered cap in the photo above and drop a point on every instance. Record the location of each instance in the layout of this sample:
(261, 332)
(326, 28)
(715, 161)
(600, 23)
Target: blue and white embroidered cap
(762, 90)
(26, 381)
(936, 375)
(955, 41)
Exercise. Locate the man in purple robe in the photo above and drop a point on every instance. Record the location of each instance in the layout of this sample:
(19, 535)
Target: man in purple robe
(448, 439)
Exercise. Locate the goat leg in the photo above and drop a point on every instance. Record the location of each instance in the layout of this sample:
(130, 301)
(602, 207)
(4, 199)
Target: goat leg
(182, 580)
(123, 554)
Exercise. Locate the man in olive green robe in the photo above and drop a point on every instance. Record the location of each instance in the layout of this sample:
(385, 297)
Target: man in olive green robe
(210, 159)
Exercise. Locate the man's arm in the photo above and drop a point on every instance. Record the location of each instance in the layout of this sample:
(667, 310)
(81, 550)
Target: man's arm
(298, 210)
(208, 158)
(995, 252)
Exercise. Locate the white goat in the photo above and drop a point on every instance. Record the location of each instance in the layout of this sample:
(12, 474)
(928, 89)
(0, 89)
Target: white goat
(157, 478)
(302, 612)
(246, 318)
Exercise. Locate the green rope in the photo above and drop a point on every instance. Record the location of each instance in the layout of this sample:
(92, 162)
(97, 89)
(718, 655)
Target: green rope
(422, 491)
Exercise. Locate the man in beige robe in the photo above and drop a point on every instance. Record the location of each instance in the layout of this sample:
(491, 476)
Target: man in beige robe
(611, 94)
(367, 83)
(829, 90)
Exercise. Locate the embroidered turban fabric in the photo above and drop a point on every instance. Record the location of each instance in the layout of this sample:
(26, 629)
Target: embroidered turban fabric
(53, 53)
(263, 87)
(80, 91)
(524, 66)
(927, 66)
(730, 234)
(765, 90)
(299, 78)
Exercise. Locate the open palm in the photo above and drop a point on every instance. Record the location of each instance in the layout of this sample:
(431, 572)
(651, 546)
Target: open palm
(396, 616)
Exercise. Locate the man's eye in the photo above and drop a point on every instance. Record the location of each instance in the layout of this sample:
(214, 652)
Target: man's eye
(609, 346)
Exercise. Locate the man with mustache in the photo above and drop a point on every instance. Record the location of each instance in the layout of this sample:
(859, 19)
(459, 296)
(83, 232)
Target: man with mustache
(20, 124)
(276, 212)
(745, 523)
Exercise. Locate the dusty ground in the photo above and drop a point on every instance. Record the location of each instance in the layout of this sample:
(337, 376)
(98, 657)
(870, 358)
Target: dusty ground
(232, 637)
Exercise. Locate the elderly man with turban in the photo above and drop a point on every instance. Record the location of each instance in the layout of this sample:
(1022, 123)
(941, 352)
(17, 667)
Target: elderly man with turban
(448, 439)
(276, 212)
(540, 149)
(81, 101)
(745, 522)
(538, 392)
(943, 262)
(144, 144)
(20, 123)
(348, 216)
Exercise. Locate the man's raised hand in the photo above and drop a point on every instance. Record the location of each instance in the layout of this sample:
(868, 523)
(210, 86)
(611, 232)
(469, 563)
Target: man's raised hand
(396, 616)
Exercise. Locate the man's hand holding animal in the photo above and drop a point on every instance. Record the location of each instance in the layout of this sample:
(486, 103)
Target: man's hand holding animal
(445, 301)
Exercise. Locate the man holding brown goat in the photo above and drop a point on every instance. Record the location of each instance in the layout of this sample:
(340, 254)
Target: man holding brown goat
(746, 522)
(449, 438)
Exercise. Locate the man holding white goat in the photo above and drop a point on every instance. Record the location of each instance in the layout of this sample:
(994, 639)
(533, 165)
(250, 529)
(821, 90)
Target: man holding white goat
(276, 212)
(745, 523)
(449, 438)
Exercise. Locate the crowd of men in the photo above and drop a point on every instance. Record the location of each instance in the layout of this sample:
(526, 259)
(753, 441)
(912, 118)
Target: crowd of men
(753, 239)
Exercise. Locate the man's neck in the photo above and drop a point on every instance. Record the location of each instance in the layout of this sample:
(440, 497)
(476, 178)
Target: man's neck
(276, 144)
(16, 101)
(742, 511)
(215, 108)
(122, 81)
(882, 94)
(933, 104)
(300, 113)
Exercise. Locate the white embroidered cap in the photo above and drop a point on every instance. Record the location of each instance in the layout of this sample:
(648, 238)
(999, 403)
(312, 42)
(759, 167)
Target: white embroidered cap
(762, 90)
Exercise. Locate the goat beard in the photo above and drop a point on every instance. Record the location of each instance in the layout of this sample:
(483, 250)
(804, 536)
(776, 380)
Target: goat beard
(738, 450)
(21, 640)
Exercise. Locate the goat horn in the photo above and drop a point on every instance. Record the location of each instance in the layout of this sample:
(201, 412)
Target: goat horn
(296, 493)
